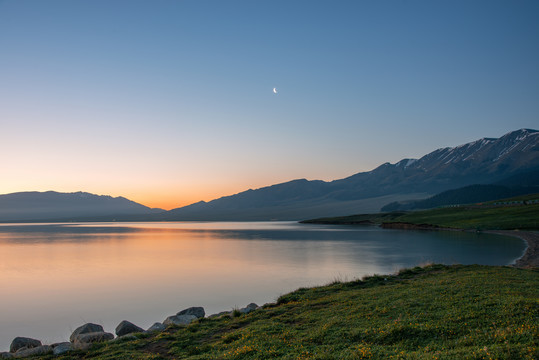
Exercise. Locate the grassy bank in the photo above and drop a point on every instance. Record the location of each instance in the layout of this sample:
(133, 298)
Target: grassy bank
(487, 216)
(436, 312)
(482, 218)
(359, 219)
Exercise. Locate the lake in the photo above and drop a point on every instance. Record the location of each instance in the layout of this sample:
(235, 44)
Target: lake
(56, 277)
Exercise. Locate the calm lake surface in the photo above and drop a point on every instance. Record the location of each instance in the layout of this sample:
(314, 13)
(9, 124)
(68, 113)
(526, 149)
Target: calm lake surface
(56, 277)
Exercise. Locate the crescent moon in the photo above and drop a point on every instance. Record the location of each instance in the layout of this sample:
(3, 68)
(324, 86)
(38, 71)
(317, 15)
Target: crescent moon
(274, 90)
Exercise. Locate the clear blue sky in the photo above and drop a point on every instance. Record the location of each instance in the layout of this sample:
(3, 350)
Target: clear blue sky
(171, 102)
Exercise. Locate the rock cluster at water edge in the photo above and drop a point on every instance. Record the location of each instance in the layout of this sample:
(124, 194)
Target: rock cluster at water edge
(86, 335)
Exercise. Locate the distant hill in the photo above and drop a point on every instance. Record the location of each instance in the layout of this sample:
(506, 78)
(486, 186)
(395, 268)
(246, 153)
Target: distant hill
(521, 212)
(521, 184)
(51, 205)
(484, 161)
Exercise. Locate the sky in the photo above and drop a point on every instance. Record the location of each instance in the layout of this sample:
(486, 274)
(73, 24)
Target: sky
(171, 102)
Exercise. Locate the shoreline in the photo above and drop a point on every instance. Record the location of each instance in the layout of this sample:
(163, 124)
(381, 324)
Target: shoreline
(528, 260)
(320, 303)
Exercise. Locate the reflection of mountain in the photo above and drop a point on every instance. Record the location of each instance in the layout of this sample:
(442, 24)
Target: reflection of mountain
(53, 205)
(483, 161)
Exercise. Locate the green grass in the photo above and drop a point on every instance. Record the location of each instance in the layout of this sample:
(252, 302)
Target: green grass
(517, 198)
(358, 219)
(483, 218)
(436, 312)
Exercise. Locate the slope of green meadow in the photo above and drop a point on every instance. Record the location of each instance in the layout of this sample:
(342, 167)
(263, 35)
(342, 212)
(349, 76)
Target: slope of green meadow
(487, 216)
(481, 218)
(435, 312)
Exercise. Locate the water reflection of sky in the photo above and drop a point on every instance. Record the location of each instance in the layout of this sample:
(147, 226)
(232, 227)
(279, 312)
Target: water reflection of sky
(56, 277)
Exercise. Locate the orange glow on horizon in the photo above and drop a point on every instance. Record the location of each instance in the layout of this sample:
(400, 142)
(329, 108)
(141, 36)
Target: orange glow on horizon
(174, 196)
(169, 200)
(162, 202)
(163, 193)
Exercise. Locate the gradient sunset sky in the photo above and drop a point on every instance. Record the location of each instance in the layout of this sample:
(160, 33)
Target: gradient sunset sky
(171, 102)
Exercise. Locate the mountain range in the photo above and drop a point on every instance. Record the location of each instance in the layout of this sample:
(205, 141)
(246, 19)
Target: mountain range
(51, 205)
(485, 161)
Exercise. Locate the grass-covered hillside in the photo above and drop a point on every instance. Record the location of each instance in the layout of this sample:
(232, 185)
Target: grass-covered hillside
(494, 215)
(359, 219)
(483, 218)
(436, 312)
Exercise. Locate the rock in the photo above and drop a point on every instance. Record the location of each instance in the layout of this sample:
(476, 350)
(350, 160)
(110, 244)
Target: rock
(197, 311)
(23, 342)
(82, 341)
(38, 350)
(6, 355)
(249, 308)
(61, 348)
(157, 327)
(126, 327)
(180, 319)
(85, 329)
(58, 344)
